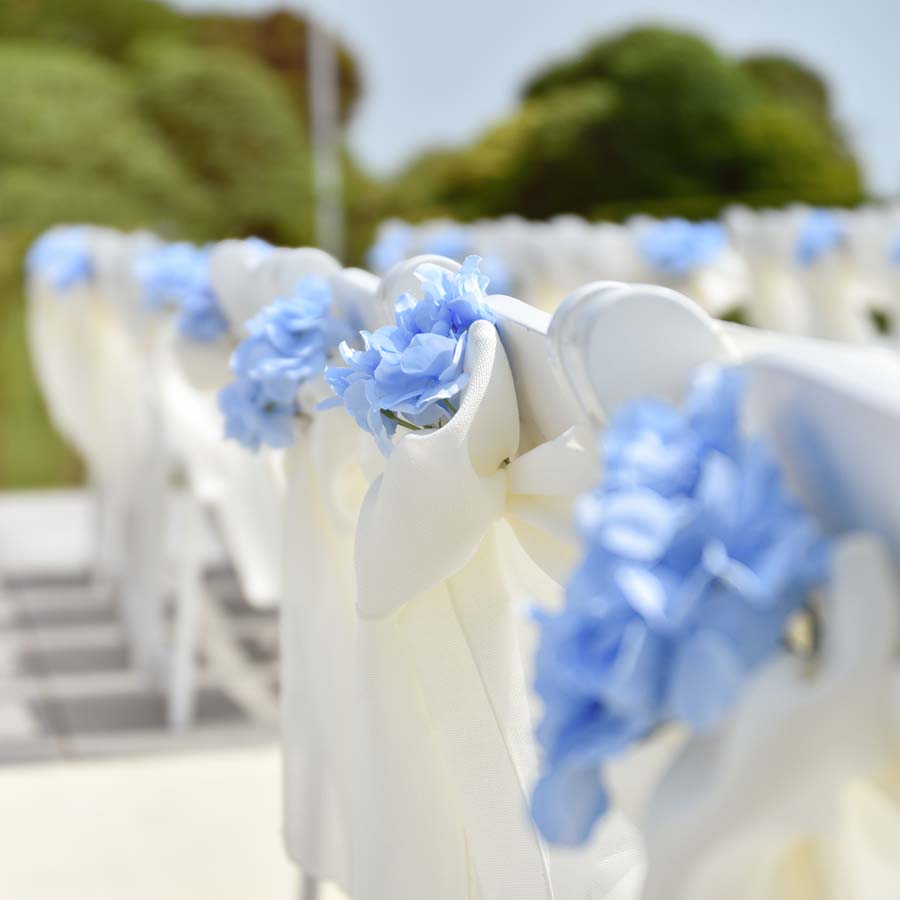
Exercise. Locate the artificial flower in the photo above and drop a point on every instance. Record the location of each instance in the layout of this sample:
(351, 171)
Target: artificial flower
(178, 275)
(61, 256)
(677, 247)
(411, 373)
(821, 232)
(288, 343)
(695, 557)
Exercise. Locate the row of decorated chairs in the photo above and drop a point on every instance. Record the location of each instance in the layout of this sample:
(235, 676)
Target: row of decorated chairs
(599, 604)
(825, 273)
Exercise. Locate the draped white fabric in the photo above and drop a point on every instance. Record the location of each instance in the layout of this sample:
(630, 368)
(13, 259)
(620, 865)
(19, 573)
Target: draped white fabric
(445, 755)
(90, 375)
(245, 490)
(325, 486)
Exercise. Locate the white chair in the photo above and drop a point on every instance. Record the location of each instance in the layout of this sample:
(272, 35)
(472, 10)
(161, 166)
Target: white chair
(733, 812)
(451, 536)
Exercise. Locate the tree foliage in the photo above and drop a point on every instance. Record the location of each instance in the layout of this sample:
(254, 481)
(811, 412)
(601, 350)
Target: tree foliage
(651, 117)
(233, 125)
(75, 145)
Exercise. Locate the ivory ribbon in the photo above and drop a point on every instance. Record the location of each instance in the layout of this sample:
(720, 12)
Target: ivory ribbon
(445, 753)
(324, 490)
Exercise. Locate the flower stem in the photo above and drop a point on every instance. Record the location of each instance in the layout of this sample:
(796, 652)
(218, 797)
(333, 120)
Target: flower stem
(388, 414)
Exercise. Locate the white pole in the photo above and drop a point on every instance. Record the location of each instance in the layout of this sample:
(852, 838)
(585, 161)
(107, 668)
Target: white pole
(324, 105)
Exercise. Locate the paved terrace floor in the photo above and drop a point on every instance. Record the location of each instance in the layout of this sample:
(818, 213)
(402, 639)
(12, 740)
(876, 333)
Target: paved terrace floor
(99, 799)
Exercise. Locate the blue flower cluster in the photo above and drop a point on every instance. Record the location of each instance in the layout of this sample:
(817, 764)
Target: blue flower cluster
(452, 241)
(894, 252)
(61, 257)
(393, 245)
(822, 231)
(411, 373)
(678, 247)
(178, 275)
(289, 343)
(695, 557)
(397, 241)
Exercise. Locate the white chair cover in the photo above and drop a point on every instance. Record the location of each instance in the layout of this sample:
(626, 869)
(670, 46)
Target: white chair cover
(325, 480)
(445, 754)
(796, 796)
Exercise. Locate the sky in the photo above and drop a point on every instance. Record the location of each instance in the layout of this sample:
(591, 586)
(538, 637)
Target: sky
(439, 73)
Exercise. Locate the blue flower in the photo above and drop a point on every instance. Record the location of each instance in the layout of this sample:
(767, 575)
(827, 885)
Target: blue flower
(61, 257)
(499, 274)
(260, 246)
(452, 241)
(178, 275)
(455, 242)
(678, 247)
(822, 231)
(894, 252)
(411, 373)
(253, 420)
(695, 555)
(288, 343)
(397, 241)
(393, 245)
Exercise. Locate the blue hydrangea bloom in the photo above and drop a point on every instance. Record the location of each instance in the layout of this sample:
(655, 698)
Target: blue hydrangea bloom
(253, 420)
(178, 275)
(61, 257)
(393, 245)
(499, 274)
(822, 231)
(261, 246)
(695, 555)
(678, 247)
(397, 242)
(288, 343)
(411, 373)
(455, 242)
(894, 253)
(452, 241)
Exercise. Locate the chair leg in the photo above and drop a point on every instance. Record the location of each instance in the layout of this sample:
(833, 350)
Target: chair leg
(309, 888)
(188, 602)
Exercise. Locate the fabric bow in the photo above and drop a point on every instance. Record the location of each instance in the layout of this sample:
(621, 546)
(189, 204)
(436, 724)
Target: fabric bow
(441, 492)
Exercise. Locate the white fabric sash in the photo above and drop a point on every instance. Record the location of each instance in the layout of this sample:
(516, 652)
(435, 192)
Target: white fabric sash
(446, 749)
(325, 486)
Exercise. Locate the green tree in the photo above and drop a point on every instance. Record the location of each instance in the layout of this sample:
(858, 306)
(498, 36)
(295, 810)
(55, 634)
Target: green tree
(74, 146)
(651, 119)
(232, 123)
(280, 41)
(786, 79)
(105, 27)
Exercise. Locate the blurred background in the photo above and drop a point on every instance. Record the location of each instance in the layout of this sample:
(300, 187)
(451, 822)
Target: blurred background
(194, 123)
(192, 119)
